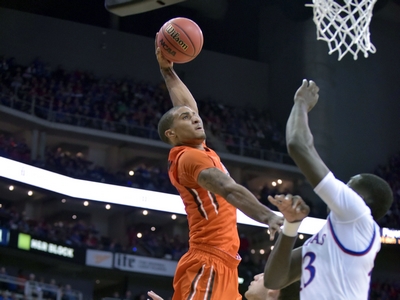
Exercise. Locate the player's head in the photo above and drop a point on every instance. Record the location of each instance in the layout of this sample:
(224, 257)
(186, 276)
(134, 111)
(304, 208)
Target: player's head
(257, 291)
(375, 191)
(181, 126)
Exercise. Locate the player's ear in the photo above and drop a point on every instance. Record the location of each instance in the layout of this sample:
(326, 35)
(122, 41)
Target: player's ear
(169, 133)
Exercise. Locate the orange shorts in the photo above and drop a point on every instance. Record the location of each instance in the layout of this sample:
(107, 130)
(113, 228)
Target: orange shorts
(206, 273)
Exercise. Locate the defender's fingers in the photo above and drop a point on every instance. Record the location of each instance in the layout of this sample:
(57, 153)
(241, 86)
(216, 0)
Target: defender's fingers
(273, 200)
(297, 200)
(288, 197)
(272, 233)
(313, 86)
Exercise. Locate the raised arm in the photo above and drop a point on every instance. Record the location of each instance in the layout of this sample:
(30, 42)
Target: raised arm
(283, 266)
(299, 139)
(178, 91)
(217, 182)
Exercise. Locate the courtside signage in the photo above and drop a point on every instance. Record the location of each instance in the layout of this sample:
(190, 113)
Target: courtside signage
(26, 242)
(140, 264)
(100, 259)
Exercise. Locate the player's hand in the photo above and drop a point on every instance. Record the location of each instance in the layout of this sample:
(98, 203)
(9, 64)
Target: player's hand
(162, 61)
(293, 208)
(307, 92)
(274, 222)
(154, 296)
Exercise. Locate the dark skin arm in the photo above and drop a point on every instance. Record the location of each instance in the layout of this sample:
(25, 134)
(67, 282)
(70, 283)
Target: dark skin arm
(284, 264)
(217, 182)
(178, 91)
(299, 139)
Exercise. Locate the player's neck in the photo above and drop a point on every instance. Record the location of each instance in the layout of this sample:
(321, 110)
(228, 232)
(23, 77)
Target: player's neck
(194, 144)
(197, 146)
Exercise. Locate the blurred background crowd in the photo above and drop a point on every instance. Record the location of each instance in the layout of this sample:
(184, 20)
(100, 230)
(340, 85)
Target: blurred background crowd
(126, 106)
(133, 107)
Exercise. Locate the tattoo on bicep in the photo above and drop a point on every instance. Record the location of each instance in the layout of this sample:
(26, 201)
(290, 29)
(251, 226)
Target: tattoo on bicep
(212, 180)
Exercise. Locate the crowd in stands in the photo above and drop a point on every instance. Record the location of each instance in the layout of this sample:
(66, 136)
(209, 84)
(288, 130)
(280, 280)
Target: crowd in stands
(385, 290)
(156, 179)
(27, 287)
(160, 244)
(126, 106)
(132, 107)
(391, 173)
(75, 165)
(79, 234)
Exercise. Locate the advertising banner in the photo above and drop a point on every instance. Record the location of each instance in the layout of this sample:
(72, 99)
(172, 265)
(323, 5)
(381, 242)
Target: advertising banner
(100, 259)
(140, 264)
(27, 242)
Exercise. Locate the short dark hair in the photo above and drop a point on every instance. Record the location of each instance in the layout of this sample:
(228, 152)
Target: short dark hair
(165, 123)
(378, 194)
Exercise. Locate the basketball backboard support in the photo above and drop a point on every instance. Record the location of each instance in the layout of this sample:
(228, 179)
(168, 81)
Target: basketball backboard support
(124, 8)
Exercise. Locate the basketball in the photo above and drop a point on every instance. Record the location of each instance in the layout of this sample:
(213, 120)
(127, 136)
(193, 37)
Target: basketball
(180, 40)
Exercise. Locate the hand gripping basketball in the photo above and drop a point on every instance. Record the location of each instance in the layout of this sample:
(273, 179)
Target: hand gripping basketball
(162, 61)
(180, 40)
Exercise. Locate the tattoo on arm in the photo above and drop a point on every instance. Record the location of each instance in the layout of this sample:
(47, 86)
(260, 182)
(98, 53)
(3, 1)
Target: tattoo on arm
(215, 181)
(167, 72)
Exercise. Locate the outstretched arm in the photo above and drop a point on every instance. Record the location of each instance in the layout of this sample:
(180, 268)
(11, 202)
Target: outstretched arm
(299, 139)
(217, 182)
(284, 264)
(178, 91)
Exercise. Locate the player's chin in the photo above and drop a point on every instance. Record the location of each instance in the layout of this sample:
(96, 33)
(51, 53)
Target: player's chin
(201, 134)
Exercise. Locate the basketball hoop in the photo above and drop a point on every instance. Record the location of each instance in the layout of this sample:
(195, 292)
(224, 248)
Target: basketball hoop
(345, 27)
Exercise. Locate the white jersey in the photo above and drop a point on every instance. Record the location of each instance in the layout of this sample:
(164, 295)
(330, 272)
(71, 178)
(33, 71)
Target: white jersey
(338, 260)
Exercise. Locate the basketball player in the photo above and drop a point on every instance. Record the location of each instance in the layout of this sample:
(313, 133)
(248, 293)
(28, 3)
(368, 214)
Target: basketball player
(209, 269)
(335, 263)
(257, 291)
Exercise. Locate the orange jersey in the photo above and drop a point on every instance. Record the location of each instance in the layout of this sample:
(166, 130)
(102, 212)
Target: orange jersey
(212, 220)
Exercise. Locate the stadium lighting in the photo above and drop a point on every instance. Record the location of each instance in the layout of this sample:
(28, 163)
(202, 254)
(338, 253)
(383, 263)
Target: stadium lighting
(128, 196)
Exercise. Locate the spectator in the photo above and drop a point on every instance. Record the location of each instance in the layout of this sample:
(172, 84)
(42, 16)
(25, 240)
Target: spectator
(32, 287)
(68, 293)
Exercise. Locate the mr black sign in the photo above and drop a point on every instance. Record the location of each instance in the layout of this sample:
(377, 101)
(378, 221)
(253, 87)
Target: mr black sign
(32, 244)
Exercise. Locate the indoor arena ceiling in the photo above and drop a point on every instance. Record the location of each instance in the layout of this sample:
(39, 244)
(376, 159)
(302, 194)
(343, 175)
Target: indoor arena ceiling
(222, 21)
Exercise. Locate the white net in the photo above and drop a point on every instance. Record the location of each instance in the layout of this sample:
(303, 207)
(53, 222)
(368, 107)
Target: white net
(345, 27)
